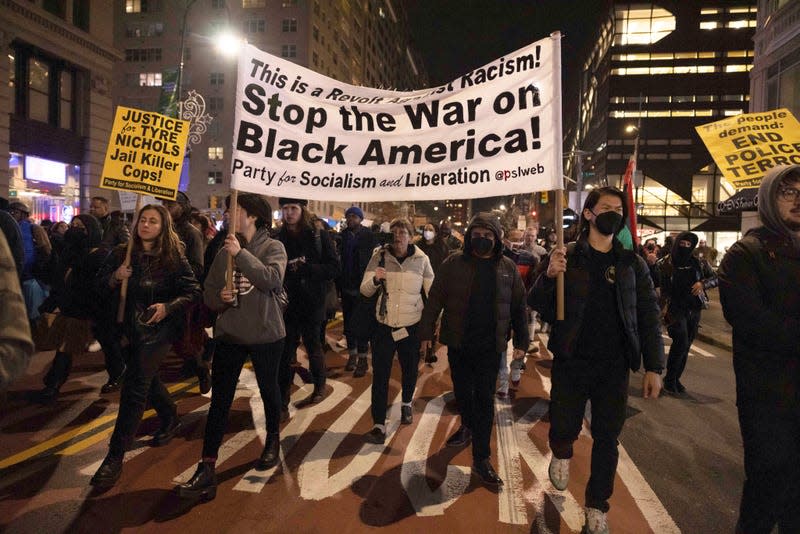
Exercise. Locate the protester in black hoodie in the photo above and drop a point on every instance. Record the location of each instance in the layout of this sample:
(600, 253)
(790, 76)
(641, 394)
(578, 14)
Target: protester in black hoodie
(72, 295)
(683, 280)
(481, 295)
(760, 295)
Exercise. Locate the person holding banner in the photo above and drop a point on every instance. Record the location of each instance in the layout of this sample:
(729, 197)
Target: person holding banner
(249, 324)
(405, 274)
(481, 296)
(312, 262)
(760, 295)
(161, 287)
(611, 323)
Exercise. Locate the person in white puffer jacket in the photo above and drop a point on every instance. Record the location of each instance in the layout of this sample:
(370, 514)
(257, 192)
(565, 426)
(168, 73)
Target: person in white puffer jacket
(403, 274)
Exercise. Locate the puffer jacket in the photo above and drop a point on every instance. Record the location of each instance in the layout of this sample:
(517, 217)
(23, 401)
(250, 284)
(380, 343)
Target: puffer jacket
(451, 289)
(636, 303)
(404, 285)
(762, 306)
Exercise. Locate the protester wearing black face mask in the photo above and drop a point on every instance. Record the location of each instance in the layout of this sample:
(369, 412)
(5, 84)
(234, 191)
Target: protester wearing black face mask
(482, 296)
(683, 280)
(611, 323)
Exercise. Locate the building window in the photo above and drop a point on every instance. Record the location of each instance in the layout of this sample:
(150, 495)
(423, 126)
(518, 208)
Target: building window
(142, 54)
(289, 25)
(217, 78)
(216, 152)
(142, 6)
(289, 50)
(218, 4)
(65, 95)
(254, 26)
(147, 29)
(133, 6)
(214, 177)
(150, 79)
(254, 3)
(38, 90)
(215, 104)
(642, 24)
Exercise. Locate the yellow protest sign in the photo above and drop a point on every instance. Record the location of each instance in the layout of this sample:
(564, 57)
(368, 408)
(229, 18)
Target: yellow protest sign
(145, 153)
(746, 146)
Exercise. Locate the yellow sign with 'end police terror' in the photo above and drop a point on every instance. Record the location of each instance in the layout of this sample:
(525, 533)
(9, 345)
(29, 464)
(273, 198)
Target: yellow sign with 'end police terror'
(145, 153)
(746, 146)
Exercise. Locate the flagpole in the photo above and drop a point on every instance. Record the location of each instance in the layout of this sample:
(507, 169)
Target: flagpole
(558, 166)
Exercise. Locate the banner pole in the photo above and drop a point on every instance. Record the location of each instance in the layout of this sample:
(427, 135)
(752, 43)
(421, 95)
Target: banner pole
(123, 290)
(232, 217)
(558, 166)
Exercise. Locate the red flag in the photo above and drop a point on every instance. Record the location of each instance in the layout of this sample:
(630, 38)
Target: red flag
(628, 189)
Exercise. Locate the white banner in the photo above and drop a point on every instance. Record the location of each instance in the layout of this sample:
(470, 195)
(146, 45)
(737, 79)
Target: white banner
(493, 131)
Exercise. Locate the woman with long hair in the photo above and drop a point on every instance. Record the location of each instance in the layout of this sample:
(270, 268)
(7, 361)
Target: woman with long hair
(249, 325)
(161, 285)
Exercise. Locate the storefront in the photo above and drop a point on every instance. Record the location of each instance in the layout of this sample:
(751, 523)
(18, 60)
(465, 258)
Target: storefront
(51, 188)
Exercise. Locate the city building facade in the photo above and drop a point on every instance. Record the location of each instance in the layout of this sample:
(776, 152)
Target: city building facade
(360, 42)
(656, 71)
(55, 102)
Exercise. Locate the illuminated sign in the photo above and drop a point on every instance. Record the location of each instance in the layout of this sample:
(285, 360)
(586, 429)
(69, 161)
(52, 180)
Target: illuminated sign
(45, 170)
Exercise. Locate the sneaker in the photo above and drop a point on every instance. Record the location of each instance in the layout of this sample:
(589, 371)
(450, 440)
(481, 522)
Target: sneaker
(559, 473)
(406, 416)
(94, 346)
(376, 436)
(462, 436)
(596, 522)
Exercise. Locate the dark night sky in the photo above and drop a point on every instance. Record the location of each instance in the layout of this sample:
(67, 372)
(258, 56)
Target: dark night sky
(456, 36)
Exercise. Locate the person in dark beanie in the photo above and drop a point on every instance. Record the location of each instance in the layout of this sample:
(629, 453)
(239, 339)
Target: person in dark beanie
(311, 262)
(357, 244)
(611, 324)
(682, 279)
(115, 231)
(760, 295)
(249, 325)
(481, 297)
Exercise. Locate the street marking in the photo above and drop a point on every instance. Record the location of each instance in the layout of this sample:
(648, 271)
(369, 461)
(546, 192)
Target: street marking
(646, 499)
(511, 500)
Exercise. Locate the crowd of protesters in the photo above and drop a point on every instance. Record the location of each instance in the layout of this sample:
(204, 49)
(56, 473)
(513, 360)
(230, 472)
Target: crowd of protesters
(402, 290)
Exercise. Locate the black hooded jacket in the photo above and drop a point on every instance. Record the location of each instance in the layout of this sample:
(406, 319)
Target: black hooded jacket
(675, 280)
(636, 304)
(450, 293)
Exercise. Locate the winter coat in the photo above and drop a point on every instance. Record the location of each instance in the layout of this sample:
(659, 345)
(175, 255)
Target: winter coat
(758, 289)
(437, 252)
(308, 284)
(115, 231)
(16, 346)
(259, 269)
(153, 282)
(404, 285)
(636, 304)
(194, 245)
(452, 287)
(353, 267)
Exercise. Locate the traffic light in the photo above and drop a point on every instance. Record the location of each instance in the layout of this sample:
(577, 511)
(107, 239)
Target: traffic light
(545, 197)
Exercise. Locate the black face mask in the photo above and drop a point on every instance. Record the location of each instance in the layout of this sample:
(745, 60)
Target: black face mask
(682, 255)
(608, 222)
(75, 237)
(482, 245)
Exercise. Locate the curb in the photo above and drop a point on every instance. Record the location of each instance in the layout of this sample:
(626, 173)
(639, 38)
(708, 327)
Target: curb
(714, 341)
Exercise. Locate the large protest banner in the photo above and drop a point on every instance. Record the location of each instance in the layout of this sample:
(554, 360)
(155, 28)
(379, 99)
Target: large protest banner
(746, 146)
(145, 153)
(493, 131)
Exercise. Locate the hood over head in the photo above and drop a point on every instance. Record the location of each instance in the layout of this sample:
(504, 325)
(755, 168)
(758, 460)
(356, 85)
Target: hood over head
(484, 220)
(768, 198)
(93, 229)
(688, 236)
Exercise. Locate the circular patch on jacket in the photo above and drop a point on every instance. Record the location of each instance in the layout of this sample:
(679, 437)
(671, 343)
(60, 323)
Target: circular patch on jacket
(611, 274)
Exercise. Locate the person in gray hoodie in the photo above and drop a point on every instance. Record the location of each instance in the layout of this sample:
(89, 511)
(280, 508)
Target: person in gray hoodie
(249, 324)
(760, 296)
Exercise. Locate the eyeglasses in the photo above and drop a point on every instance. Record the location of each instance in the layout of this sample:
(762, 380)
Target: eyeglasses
(789, 194)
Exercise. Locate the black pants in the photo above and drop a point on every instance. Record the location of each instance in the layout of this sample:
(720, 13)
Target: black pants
(605, 383)
(771, 493)
(349, 304)
(59, 370)
(474, 374)
(226, 368)
(297, 327)
(109, 334)
(383, 349)
(141, 384)
(682, 331)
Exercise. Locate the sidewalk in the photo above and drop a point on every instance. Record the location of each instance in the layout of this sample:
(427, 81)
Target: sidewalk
(714, 329)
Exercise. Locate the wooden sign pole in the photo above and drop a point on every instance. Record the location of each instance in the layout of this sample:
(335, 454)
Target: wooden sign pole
(123, 291)
(233, 215)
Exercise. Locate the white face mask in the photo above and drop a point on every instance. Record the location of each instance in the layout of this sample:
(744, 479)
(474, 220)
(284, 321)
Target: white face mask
(428, 235)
